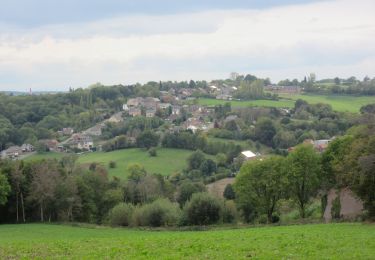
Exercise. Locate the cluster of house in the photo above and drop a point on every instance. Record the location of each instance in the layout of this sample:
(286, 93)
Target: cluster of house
(14, 152)
(224, 92)
(148, 105)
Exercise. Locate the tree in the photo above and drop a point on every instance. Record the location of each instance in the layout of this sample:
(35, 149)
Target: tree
(208, 167)
(303, 168)
(265, 131)
(136, 172)
(262, 184)
(147, 139)
(195, 160)
(202, 209)
(229, 193)
(4, 189)
(43, 186)
(18, 179)
(187, 189)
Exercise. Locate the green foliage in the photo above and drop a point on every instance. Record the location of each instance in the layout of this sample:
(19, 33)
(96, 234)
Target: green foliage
(112, 164)
(265, 131)
(4, 189)
(121, 215)
(229, 212)
(159, 213)
(187, 189)
(195, 160)
(304, 178)
(336, 208)
(152, 152)
(261, 184)
(202, 209)
(147, 139)
(229, 193)
(251, 89)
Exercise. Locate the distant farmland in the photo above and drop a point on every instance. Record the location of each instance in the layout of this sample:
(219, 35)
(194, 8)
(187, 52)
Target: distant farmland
(338, 103)
(319, 241)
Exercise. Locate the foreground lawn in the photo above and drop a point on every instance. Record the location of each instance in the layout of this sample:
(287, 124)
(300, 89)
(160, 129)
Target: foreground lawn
(338, 103)
(166, 162)
(249, 103)
(323, 241)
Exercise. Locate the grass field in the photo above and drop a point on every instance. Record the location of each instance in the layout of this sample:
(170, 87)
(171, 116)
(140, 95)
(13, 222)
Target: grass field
(320, 241)
(166, 162)
(338, 103)
(249, 103)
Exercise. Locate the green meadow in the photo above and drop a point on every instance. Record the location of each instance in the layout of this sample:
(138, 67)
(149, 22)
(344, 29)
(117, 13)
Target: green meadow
(317, 241)
(166, 162)
(338, 102)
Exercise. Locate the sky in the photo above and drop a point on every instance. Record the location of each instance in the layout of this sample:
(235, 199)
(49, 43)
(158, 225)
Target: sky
(49, 45)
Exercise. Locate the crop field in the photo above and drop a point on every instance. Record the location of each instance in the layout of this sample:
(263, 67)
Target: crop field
(338, 103)
(319, 241)
(249, 103)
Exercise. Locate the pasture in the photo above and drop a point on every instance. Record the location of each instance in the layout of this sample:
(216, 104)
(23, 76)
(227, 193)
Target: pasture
(338, 102)
(166, 162)
(319, 241)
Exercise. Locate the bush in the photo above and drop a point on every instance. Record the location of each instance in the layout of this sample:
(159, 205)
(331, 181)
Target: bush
(159, 213)
(187, 189)
(121, 214)
(202, 209)
(336, 208)
(229, 193)
(230, 213)
(152, 152)
(112, 164)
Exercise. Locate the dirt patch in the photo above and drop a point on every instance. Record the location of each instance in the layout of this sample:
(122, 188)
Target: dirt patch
(351, 206)
(217, 188)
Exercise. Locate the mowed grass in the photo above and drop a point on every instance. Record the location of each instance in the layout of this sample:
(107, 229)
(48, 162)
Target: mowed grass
(166, 162)
(320, 241)
(338, 102)
(248, 103)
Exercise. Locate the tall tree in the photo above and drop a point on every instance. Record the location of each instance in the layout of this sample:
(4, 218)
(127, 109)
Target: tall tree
(303, 168)
(262, 184)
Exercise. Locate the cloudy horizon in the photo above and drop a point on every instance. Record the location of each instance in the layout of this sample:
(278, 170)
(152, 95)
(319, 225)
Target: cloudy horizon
(129, 43)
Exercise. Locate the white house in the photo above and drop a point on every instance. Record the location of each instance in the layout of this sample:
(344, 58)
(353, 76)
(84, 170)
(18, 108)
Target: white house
(248, 155)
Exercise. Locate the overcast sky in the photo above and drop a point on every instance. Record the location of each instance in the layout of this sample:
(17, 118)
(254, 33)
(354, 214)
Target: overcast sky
(54, 45)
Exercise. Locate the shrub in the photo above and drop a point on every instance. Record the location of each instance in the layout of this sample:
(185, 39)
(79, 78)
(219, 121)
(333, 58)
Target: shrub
(229, 213)
(152, 152)
(112, 164)
(159, 213)
(336, 208)
(121, 214)
(202, 209)
(275, 218)
(229, 192)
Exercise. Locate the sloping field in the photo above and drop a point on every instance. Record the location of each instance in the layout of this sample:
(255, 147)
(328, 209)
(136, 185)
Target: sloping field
(338, 103)
(323, 241)
(166, 162)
